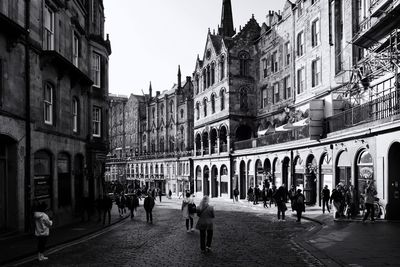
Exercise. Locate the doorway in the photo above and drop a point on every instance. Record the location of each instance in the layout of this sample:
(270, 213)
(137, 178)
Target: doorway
(214, 181)
(393, 208)
(242, 173)
(206, 178)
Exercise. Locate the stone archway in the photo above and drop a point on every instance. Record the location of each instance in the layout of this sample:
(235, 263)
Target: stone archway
(206, 181)
(242, 174)
(214, 181)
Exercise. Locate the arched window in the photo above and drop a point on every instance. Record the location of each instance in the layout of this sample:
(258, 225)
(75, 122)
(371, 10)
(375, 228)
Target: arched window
(212, 73)
(64, 179)
(243, 99)
(205, 106)
(197, 110)
(204, 79)
(162, 109)
(171, 106)
(48, 103)
(162, 144)
(244, 63)
(75, 115)
(197, 84)
(213, 103)
(222, 68)
(208, 76)
(222, 97)
(153, 146)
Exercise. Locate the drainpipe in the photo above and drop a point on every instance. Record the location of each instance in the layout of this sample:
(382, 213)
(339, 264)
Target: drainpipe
(27, 119)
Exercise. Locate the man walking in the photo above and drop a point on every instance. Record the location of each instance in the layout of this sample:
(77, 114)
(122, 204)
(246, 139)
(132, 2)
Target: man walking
(326, 194)
(160, 194)
(235, 194)
(148, 207)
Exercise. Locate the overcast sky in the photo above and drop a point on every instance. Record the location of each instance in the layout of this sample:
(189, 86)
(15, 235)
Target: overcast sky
(150, 38)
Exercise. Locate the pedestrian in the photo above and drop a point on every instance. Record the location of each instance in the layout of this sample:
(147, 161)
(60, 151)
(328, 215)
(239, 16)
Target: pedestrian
(235, 194)
(292, 195)
(153, 193)
(122, 204)
(279, 197)
(256, 195)
(205, 224)
(148, 205)
(337, 199)
(250, 194)
(265, 196)
(369, 197)
(170, 194)
(299, 205)
(350, 198)
(160, 194)
(326, 194)
(42, 229)
(107, 206)
(271, 194)
(188, 210)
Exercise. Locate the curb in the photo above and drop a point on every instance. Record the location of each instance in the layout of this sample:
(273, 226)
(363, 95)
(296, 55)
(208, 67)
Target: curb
(28, 255)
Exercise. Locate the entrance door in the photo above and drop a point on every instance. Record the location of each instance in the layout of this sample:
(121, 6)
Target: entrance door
(206, 179)
(286, 171)
(3, 177)
(393, 209)
(78, 183)
(243, 189)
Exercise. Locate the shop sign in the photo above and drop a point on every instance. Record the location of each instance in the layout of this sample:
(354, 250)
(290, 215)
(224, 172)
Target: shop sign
(366, 172)
(42, 187)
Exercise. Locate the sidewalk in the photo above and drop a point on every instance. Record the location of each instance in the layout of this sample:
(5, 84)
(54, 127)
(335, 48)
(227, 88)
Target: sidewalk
(21, 246)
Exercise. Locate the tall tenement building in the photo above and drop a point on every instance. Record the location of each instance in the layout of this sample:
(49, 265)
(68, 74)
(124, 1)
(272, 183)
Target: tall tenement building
(308, 98)
(53, 107)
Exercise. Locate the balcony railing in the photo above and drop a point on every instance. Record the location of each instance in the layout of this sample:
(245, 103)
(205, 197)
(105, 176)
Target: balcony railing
(162, 155)
(380, 108)
(275, 138)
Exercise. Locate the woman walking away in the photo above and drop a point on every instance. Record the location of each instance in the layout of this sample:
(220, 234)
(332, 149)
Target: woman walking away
(299, 204)
(42, 225)
(170, 194)
(205, 224)
(188, 211)
(369, 197)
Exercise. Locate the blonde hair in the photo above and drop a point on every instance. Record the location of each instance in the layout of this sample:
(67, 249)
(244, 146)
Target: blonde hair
(204, 202)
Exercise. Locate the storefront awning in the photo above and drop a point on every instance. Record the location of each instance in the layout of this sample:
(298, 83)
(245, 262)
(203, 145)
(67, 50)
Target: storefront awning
(283, 128)
(301, 123)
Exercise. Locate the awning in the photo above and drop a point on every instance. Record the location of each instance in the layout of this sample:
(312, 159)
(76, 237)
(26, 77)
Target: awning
(283, 128)
(301, 123)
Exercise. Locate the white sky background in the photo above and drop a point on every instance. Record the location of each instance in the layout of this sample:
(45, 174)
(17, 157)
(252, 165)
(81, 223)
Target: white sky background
(150, 38)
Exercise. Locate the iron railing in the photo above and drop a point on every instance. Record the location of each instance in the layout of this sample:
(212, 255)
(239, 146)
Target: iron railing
(380, 108)
(275, 138)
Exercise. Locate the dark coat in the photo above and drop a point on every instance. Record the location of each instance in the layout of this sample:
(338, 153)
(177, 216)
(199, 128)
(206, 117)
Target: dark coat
(326, 194)
(148, 203)
(299, 202)
(206, 216)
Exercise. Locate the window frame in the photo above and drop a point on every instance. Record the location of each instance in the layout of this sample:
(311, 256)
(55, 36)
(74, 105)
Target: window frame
(301, 82)
(287, 53)
(96, 69)
(315, 32)
(48, 104)
(287, 89)
(96, 120)
(276, 87)
(316, 72)
(75, 115)
(48, 31)
(75, 49)
(300, 44)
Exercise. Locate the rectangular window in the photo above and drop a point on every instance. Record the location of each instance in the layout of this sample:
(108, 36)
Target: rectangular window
(96, 122)
(287, 54)
(96, 69)
(48, 104)
(48, 23)
(287, 90)
(316, 72)
(75, 50)
(274, 62)
(75, 115)
(300, 44)
(264, 97)
(276, 93)
(300, 81)
(264, 67)
(300, 8)
(315, 34)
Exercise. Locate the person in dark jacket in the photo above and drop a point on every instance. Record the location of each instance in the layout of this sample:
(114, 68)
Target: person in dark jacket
(160, 194)
(292, 195)
(170, 194)
(148, 207)
(326, 194)
(280, 197)
(299, 205)
(235, 194)
(256, 195)
(107, 206)
(264, 193)
(337, 198)
(250, 193)
(205, 224)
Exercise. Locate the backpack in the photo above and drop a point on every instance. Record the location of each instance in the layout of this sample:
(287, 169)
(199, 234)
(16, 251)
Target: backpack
(192, 208)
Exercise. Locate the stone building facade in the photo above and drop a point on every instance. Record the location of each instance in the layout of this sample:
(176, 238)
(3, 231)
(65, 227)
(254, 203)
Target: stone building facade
(54, 69)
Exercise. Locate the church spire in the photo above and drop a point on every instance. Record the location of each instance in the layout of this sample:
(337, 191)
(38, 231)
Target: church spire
(226, 28)
(179, 77)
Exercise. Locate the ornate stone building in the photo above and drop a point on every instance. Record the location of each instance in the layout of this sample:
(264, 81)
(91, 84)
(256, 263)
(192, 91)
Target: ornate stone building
(53, 108)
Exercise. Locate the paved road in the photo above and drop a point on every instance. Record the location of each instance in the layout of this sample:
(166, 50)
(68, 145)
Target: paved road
(243, 236)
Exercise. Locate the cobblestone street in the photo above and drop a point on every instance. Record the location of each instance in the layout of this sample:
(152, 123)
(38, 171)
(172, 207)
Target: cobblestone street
(243, 236)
